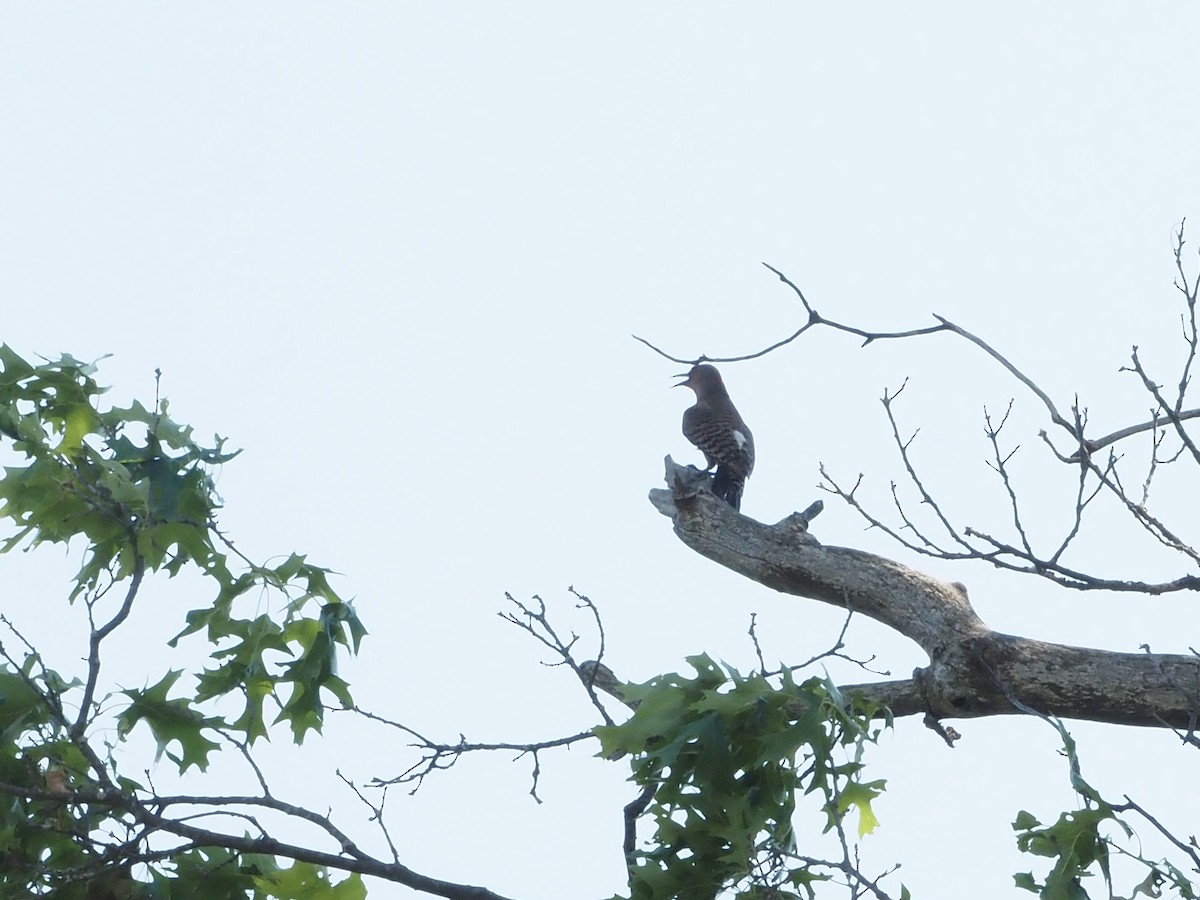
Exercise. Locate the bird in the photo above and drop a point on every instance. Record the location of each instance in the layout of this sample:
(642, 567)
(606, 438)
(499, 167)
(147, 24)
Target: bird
(717, 429)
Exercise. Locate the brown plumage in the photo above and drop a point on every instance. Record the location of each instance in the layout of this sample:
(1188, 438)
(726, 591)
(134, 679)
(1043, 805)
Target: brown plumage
(715, 426)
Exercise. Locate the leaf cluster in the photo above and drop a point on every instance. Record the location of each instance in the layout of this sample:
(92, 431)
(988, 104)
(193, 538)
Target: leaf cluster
(726, 756)
(1082, 844)
(134, 491)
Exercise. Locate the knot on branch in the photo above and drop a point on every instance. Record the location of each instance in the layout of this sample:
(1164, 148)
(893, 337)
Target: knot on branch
(689, 496)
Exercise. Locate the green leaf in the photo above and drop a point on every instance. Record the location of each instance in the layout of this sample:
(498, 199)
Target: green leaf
(79, 420)
(1025, 821)
(304, 881)
(21, 707)
(1024, 880)
(170, 721)
(206, 873)
(859, 796)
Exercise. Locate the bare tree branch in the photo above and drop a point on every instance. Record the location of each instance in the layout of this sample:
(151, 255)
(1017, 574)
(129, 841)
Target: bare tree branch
(537, 623)
(350, 859)
(99, 634)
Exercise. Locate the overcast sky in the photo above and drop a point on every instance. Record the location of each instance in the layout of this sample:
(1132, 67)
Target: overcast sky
(396, 253)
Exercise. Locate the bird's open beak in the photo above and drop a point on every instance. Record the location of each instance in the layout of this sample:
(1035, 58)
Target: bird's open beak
(685, 376)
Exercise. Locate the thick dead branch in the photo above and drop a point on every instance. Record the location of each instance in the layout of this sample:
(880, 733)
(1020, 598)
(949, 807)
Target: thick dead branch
(973, 671)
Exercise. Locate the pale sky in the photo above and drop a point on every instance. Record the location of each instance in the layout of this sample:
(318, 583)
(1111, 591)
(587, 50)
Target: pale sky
(396, 253)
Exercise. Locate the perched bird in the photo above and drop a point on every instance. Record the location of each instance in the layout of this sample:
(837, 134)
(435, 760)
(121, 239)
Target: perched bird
(714, 426)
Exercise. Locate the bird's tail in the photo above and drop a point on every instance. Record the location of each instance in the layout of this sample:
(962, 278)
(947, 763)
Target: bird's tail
(728, 485)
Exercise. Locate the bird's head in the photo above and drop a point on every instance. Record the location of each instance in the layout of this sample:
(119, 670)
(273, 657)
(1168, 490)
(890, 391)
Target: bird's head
(700, 378)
